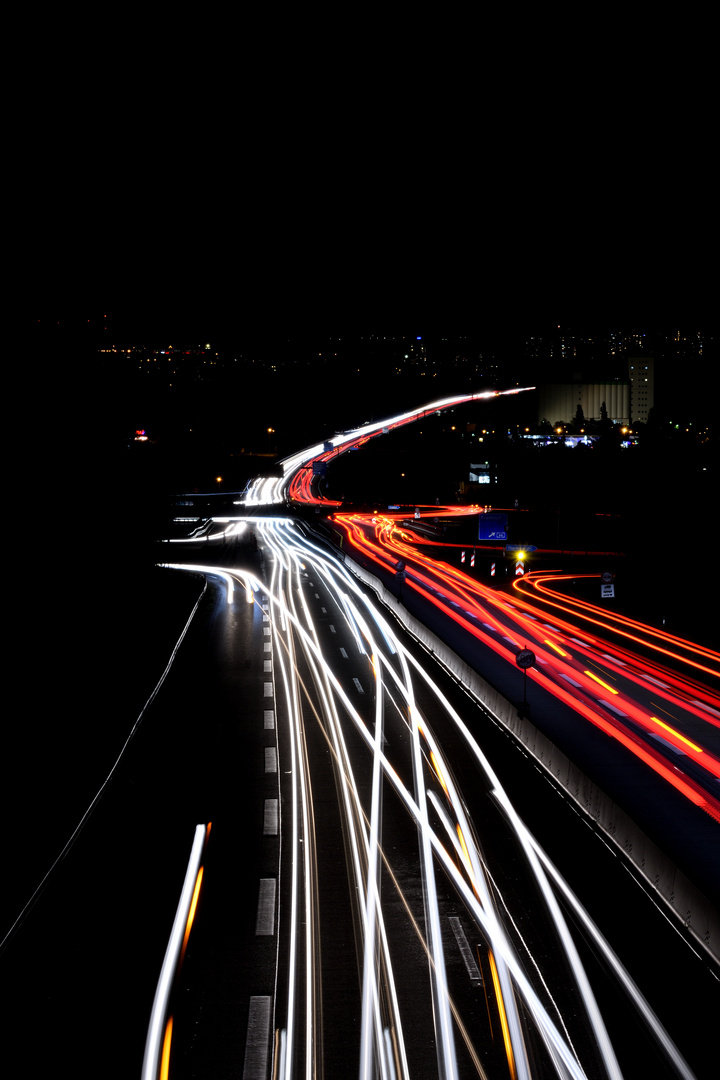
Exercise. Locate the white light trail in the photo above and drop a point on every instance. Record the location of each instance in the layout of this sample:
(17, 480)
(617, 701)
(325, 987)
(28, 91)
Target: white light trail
(383, 1048)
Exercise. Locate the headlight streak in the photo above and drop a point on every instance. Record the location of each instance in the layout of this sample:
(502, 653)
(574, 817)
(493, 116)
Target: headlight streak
(346, 774)
(553, 1039)
(621, 973)
(291, 703)
(228, 576)
(502, 948)
(332, 574)
(295, 482)
(479, 885)
(463, 854)
(486, 768)
(372, 910)
(369, 985)
(157, 1043)
(445, 1042)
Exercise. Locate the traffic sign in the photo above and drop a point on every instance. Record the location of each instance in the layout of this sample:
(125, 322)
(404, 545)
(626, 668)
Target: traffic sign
(525, 658)
(492, 526)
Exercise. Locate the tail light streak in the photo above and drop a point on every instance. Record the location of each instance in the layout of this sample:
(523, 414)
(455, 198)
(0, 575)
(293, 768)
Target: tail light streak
(468, 603)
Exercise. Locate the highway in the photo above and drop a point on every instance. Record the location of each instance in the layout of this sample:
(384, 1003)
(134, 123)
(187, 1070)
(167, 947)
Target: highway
(330, 849)
(401, 846)
(418, 862)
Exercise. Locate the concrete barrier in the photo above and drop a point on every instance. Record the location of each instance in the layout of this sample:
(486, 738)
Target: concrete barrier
(687, 905)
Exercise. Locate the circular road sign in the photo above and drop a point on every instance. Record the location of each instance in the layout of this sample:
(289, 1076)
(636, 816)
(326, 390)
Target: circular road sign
(606, 577)
(525, 658)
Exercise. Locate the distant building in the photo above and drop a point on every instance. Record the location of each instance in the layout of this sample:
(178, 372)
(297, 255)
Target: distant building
(641, 371)
(559, 401)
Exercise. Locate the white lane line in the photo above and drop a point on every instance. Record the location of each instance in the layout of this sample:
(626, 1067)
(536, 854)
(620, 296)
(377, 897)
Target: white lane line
(267, 647)
(704, 705)
(267, 665)
(613, 708)
(572, 682)
(270, 823)
(465, 951)
(343, 653)
(265, 922)
(655, 682)
(332, 628)
(268, 719)
(675, 749)
(257, 1043)
(270, 759)
(324, 610)
(267, 689)
(359, 685)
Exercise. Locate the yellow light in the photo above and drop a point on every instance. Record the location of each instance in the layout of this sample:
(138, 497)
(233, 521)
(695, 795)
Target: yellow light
(165, 1059)
(606, 685)
(438, 772)
(677, 734)
(555, 647)
(503, 1016)
(191, 913)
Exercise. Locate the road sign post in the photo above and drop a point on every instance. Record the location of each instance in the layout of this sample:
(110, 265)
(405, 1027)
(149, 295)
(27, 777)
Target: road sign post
(607, 588)
(524, 659)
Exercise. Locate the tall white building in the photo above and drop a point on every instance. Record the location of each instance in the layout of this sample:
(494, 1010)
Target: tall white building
(641, 373)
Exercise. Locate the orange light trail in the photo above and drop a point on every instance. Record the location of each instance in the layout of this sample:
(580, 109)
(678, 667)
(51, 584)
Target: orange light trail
(578, 607)
(165, 1059)
(503, 1016)
(438, 772)
(191, 912)
(384, 550)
